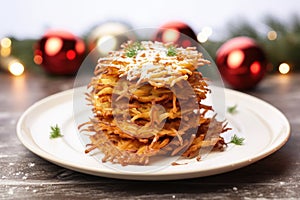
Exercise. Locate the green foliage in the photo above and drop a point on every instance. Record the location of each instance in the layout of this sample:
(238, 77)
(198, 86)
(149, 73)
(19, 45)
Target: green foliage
(171, 51)
(24, 51)
(133, 48)
(237, 140)
(55, 132)
(286, 47)
(242, 28)
(212, 47)
(232, 109)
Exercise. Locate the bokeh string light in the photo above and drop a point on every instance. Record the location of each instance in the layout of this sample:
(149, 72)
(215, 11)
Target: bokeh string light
(12, 65)
(16, 68)
(5, 47)
(272, 35)
(7, 61)
(204, 35)
(284, 68)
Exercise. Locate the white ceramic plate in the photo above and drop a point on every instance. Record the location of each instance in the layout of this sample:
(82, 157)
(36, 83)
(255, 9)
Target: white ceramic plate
(264, 127)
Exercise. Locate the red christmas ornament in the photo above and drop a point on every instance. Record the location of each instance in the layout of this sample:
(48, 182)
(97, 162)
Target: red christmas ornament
(241, 62)
(60, 53)
(177, 32)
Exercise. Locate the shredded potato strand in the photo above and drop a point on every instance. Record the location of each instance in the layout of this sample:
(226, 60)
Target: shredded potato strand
(136, 85)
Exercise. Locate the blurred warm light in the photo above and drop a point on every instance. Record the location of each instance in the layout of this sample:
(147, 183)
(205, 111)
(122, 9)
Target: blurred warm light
(170, 35)
(202, 37)
(255, 67)
(106, 44)
(71, 54)
(207, 31)
(204, 34)
(235, 59)
(5, 42)
(272, 35)
(37, 59)
(16, 68)
(53, 46)
(284, 68)
(5, 47)
(4, 52)
(80, 47)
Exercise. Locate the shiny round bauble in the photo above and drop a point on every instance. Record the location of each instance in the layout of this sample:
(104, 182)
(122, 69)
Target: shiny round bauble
(242, 63)
(176, 32)
(108, 37)
(60, 52)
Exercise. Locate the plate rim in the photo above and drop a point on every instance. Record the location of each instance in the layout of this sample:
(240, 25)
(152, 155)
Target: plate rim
(150, 176)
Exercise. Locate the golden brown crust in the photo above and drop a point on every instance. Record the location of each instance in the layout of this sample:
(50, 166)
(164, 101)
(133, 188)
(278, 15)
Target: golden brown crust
(142, 107)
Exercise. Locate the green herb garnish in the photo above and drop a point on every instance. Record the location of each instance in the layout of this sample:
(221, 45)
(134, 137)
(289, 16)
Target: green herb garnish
(171, 51)
(232, 109)
(237, 140)
(55, 132)
(132, 49)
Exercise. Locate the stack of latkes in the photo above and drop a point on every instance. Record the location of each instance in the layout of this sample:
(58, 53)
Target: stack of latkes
(147, 101)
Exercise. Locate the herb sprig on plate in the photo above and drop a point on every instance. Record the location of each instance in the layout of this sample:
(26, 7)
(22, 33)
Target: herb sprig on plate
(55, 132)
(232, 109)
(237, 140)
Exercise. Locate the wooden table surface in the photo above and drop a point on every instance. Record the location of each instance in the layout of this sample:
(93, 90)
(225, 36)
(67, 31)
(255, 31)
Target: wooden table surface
(24, 175)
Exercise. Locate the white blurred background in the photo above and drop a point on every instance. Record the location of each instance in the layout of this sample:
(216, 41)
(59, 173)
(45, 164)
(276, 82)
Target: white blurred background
(31, 18)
